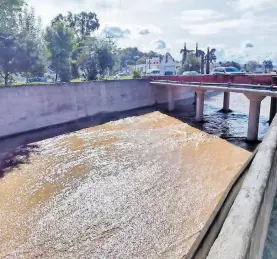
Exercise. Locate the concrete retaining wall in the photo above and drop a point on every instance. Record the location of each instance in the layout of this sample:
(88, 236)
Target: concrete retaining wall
(244, 230)
(33, 107)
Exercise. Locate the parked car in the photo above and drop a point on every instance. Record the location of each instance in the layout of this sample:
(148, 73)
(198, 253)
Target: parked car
(153, 72)
(191, 73)
(227, 71)
(37, 80)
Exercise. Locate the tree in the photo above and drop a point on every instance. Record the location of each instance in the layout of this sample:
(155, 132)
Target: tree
(96, 57)
(192, 64)
(9, 10)
(252, 65)
(268, 65)
(60, 44)
(200, 54)
(185, 53)
(8, 57)
(83, 23)
(31, 44)
(210, 58)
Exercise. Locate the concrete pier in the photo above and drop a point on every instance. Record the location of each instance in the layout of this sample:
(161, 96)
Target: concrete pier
(254, 114)
(170, 96)
(199, 105)
(226, 102)
(273, 108)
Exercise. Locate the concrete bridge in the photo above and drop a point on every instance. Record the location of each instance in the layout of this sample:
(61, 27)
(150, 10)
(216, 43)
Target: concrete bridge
(254, 92)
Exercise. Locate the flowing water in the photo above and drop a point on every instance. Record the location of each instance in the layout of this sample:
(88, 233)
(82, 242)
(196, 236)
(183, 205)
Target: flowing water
(136, 187)
(231, 126)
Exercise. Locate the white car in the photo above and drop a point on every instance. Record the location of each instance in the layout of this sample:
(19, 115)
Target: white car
(191, 73)
(227, 71)
(153, 72)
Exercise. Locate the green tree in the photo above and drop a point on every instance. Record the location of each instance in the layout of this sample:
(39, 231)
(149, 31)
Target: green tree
(8, 57)
(83, 23)
(97, 56)
(192, 63)
(268, 65)
(136, 74)
(60, 44)
(31, 44)
(9, 10)
(210, 58)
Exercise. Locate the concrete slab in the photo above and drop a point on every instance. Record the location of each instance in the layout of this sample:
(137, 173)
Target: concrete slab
(141, 187)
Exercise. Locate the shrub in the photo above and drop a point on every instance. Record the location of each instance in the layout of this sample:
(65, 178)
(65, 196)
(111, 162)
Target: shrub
(136, 74)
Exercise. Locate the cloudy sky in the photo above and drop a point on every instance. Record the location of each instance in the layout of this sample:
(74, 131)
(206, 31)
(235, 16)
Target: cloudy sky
(239, 29)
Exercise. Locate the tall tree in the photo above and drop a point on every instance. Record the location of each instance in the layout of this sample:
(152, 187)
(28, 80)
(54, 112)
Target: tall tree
(210, 58)
(83, 23)
(192, 64)
(268, 65)
(31, 44)
(185, 53)
(200, 54)
(9, 10)
(96, 58)
(60, 44)
(8, 57)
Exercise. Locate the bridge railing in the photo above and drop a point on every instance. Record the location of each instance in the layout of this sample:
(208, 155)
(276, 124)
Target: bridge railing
(237, 79)
(238, 227)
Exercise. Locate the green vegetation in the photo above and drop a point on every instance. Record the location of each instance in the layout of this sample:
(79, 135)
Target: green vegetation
(60, 44)
(136, 74)
(196, 60)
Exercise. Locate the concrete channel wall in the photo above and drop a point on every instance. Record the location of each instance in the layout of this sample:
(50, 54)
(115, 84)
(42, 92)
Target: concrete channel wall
(245, 227)
(27, 108)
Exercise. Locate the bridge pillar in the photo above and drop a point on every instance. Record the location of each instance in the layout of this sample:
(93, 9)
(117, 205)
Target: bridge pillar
(170, 97)
(226, 102)
(199, 105)
(273, 108)
(254, 116)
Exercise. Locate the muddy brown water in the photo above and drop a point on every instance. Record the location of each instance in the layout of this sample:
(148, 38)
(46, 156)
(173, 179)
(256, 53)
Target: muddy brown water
(136, 187)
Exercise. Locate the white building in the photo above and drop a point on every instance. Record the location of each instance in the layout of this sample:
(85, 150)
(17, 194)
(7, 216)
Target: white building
(153, 63)
(168, 65)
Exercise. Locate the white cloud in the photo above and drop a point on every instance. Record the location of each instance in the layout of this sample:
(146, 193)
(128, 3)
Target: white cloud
(115, 31)
(211, 28)
(150, 29)
(141, 23)
(200, 15)
(160, 44)
(247, 44)
(254, 5)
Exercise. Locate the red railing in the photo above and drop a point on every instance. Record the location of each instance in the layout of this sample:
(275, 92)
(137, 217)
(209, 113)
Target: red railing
(238, 79)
